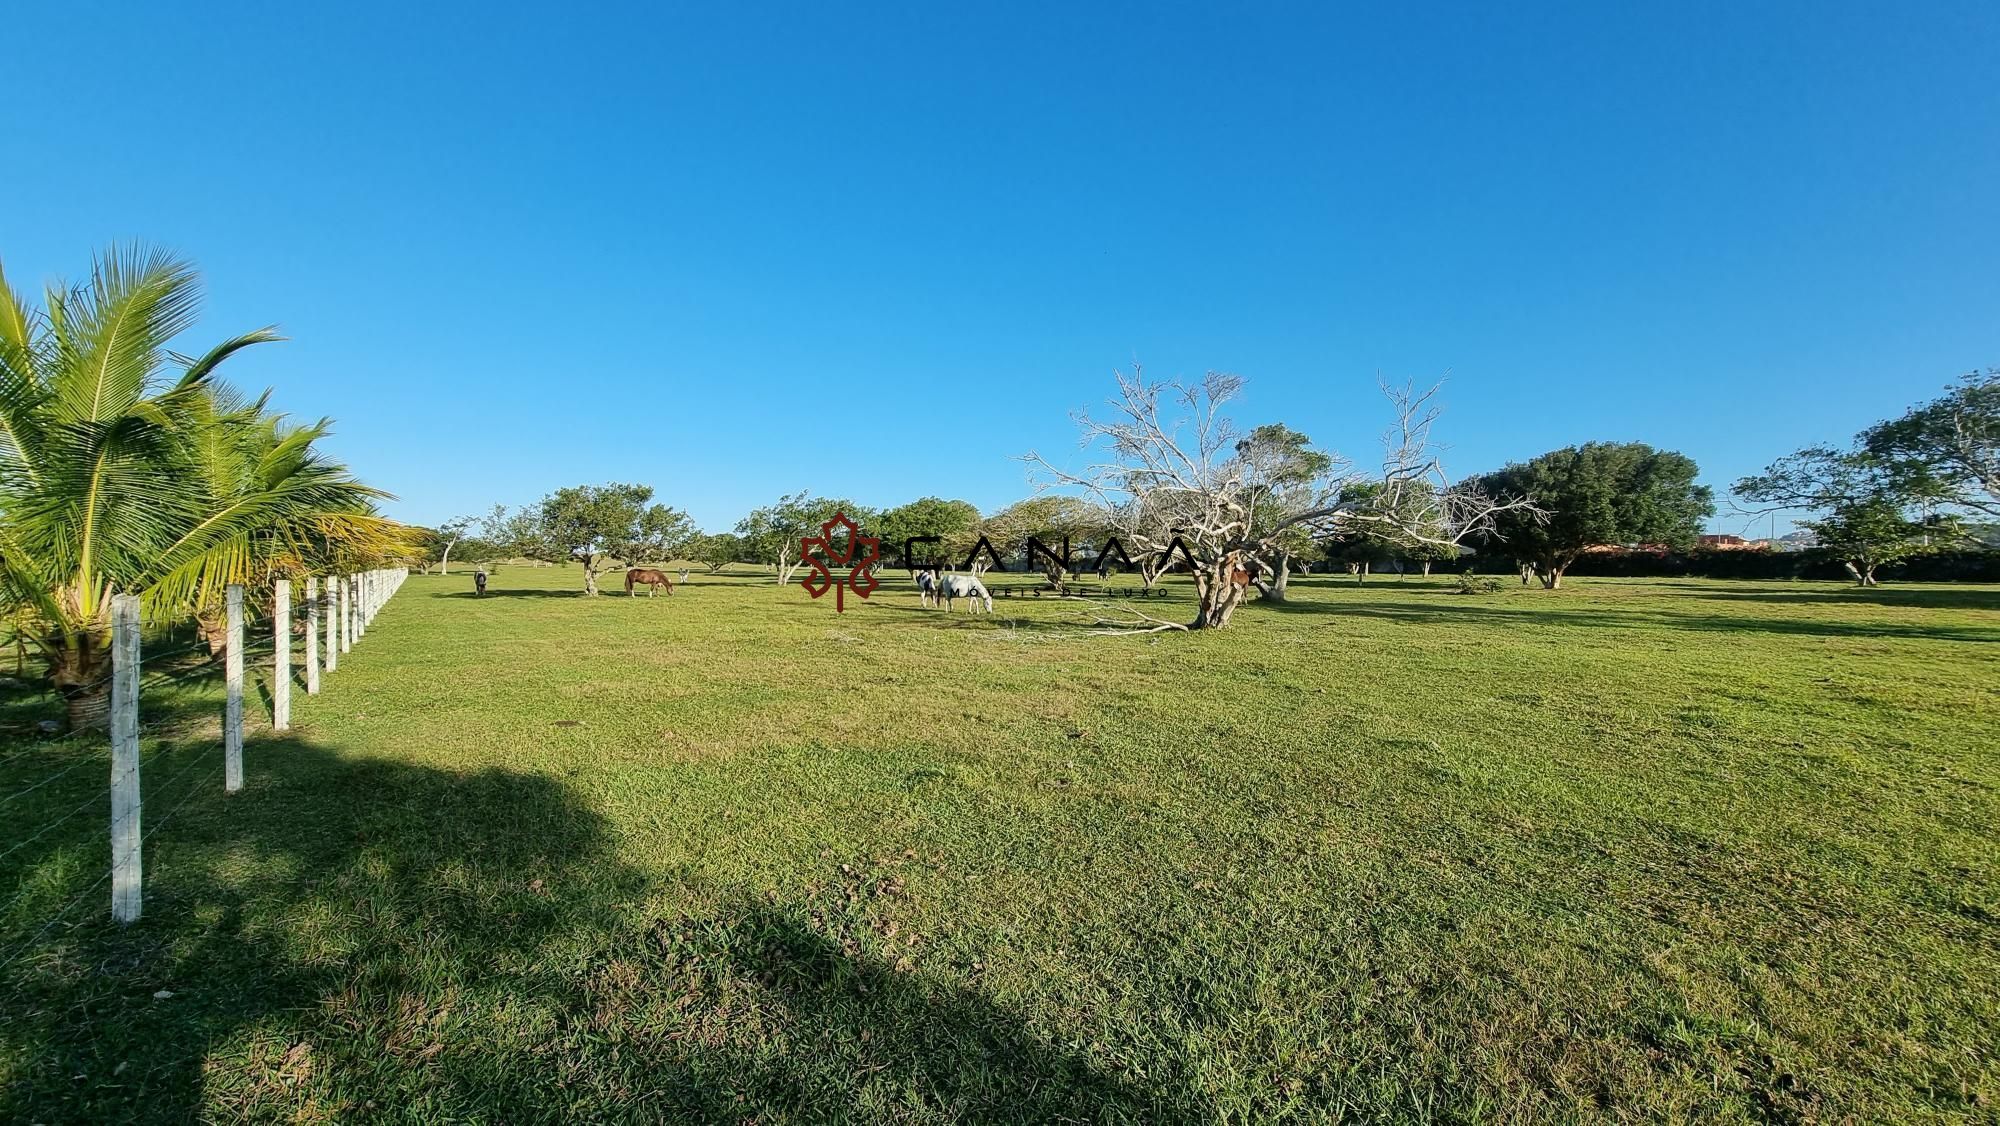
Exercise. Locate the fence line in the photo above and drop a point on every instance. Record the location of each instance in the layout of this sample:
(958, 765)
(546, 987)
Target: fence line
(346, 604)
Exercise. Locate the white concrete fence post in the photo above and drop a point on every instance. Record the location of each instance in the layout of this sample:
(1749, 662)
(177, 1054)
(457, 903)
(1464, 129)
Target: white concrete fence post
(332, 623)
(346, 613)
(125, 836)
(312, 635)
(360, 605)
(281, 655)
(232, 705)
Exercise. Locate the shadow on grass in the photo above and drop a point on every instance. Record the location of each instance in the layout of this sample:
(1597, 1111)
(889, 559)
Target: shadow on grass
(1078, 614)
(1471, 608)
(518, 592)
(363, 938)
(1935, 597)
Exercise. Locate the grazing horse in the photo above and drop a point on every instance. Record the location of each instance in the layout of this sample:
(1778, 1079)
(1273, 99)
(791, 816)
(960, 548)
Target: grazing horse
(927, 587)
(952, 587)
(654, 580)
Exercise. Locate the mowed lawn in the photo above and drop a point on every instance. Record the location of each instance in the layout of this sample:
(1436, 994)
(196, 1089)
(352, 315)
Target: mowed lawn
(1631, 849)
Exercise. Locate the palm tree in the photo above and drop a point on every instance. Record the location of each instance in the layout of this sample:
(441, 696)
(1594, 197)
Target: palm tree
(297, 511)
(126, 468)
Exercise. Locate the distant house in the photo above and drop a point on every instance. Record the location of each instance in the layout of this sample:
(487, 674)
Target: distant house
(1703, 543)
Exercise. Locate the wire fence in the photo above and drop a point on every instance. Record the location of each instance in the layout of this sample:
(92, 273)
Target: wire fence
(55, 851)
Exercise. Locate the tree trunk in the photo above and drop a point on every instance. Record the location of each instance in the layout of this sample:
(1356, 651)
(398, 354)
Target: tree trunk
(213, 629)
(1427, 568)
(1552, 578)
(1217, 593)
(1527, 573)
(80, 669)
(590, 579)
(1275, 589)
(1862, 570)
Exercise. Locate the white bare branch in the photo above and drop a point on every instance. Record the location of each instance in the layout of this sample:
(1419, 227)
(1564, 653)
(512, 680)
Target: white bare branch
(1188, 481)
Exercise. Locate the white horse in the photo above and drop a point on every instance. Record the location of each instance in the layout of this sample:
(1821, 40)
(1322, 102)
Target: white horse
(950, 587)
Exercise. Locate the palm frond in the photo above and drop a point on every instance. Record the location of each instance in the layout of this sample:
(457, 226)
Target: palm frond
(113, 336)
(198, 371)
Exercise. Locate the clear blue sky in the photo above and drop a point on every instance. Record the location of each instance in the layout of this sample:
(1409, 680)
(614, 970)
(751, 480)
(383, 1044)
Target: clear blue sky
(530, 246)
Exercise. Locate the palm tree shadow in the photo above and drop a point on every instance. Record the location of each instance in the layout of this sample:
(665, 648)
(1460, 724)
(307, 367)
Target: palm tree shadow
(351, 935)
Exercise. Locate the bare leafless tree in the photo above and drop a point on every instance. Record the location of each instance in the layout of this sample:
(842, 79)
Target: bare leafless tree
(1166, 460)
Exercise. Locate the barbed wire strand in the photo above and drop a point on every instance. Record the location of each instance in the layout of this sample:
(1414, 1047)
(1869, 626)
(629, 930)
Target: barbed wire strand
(36, 938)
(157, 755)
(64, 772)
(93, 799)
(161, 823)
(47, 745)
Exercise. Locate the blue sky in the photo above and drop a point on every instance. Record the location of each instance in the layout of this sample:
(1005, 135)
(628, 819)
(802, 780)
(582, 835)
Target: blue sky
(880, 251)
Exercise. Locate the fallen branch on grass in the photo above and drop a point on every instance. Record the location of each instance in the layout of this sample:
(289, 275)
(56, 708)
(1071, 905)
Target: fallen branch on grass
(1126, 621)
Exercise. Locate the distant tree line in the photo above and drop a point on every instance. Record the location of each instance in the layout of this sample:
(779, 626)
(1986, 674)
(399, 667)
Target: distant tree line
(1245, 511)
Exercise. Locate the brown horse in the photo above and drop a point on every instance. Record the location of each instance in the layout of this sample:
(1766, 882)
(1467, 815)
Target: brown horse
(654, 580)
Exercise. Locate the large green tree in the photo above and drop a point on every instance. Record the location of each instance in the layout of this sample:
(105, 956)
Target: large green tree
(716, 550)
(125, 469)
(954, 522)
(771, 534)
(597, 525)
(1865, 509)
(1594, 495)
(1051, 519)
(1948, 447)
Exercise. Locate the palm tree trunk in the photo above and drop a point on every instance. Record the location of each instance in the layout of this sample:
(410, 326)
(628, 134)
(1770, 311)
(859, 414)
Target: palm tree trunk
(80, 669)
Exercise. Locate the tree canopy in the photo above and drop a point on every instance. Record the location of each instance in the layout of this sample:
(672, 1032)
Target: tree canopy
(1051, 519)
(771, 534)
(1953, 441)
(716, 550)
(1593, 495)
(1865, 509)
(954, 522)
(596, 524)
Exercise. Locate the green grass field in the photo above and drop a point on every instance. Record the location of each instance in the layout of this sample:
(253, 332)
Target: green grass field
(1631, 849)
